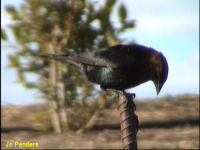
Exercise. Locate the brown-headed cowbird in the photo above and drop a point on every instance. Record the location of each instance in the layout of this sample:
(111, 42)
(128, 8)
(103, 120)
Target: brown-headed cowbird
(120, 67)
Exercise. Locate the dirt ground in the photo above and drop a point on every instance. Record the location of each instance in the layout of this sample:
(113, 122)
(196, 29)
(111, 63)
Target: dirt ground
(167, 123)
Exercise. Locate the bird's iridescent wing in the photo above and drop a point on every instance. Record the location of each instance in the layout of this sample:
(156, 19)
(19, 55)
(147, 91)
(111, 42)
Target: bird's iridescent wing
(114, 57)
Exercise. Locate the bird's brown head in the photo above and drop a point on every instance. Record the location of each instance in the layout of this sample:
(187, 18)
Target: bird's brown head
(159, 70)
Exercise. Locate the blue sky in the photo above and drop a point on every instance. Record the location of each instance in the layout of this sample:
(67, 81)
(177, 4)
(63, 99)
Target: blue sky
(171, 27)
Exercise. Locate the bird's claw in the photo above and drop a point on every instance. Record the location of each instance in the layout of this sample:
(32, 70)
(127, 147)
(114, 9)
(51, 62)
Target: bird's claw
(133, 95)
(130, 96)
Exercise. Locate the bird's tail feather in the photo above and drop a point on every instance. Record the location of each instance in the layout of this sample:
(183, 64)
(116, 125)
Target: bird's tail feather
(63, 58)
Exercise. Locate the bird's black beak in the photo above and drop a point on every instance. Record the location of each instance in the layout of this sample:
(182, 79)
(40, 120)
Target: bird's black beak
(158, 86)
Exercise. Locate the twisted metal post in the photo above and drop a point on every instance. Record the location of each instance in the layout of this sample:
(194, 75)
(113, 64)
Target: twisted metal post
(128, 120)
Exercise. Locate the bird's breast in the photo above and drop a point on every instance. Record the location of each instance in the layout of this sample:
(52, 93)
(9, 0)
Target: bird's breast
(115, 78)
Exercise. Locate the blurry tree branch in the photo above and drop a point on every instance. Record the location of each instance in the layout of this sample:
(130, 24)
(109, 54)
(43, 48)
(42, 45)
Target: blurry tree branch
(59, 26)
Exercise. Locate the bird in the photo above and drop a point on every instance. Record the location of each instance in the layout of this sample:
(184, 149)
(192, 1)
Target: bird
(119, 67)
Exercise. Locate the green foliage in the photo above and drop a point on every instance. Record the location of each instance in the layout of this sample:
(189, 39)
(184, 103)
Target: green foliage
(122, 14)
(3, 35)
(84, 112)
(63, 26)
(13, 12)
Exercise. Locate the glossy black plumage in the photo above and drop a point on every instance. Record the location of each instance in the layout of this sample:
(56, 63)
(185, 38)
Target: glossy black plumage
(120, 67)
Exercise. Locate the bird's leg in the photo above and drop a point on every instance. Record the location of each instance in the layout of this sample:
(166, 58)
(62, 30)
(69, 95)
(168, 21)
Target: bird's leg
(130, 96)
(127, 97)
(133, 95)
